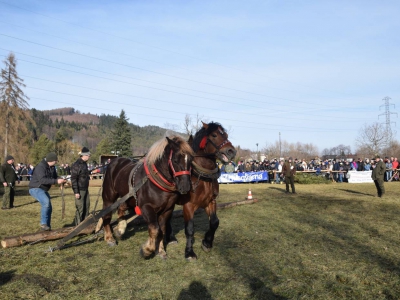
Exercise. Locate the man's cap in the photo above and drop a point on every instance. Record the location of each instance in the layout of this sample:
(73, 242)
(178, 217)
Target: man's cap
(51, 157)
(377, 156)
(290, 158)
(85, 152)
(9, 157)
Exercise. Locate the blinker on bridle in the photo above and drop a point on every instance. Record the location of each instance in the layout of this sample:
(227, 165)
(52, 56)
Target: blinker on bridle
(206, 139)
(180, 173)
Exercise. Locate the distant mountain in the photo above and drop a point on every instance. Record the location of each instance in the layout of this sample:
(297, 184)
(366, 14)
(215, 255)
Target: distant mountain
(69, 114)
(89, 130)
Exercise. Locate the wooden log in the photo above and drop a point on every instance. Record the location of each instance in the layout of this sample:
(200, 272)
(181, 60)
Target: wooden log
(20, 240)
(14, 241)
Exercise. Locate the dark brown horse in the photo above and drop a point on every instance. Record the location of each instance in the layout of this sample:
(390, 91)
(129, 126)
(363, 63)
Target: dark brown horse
(151, 186)
(209, 144)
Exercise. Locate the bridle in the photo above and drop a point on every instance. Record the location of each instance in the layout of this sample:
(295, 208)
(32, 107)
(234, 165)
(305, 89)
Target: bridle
(180, 173)
(217, 147)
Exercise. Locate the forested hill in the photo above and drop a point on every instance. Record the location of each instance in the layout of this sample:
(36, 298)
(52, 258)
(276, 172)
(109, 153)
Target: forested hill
(88, 129)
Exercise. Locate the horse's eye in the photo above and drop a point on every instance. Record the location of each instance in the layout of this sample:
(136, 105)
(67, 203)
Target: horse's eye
(214, 135)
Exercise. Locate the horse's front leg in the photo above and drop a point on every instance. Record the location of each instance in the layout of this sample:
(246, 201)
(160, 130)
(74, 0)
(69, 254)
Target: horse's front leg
(162, 222)
(122, 224)
(211, 210)
(169, 234)
(188, 213)
(108, 236)
(148, 249)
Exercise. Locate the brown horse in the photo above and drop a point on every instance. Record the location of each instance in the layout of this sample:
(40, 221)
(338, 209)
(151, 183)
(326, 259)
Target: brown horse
(209, 144)
(151, 186)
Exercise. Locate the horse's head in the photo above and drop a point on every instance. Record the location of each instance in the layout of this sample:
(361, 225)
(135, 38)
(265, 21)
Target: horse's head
(180, 157)
(212, 139)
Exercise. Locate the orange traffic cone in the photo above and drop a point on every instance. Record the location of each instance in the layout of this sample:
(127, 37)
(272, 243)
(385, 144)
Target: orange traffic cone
(249, 196)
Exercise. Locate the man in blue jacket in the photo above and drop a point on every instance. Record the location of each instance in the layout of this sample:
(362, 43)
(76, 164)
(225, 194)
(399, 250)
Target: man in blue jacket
(43, 177)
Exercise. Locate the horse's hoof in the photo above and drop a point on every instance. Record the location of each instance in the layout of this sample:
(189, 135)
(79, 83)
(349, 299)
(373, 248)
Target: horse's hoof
(191, 259)
(173, 242)
(205, 249)
(118, 235)
(191, 256)
(145, 255)
(162, 255)
(111, 243)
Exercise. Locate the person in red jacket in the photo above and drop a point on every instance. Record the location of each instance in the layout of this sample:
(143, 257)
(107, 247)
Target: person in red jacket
(395, 166)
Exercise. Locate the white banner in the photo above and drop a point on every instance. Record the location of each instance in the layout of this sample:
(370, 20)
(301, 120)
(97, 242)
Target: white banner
(360, 176)
(243, 177)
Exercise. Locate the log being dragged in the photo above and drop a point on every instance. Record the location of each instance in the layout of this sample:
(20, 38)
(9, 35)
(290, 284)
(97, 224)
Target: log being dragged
(14, 241)
(20, 240)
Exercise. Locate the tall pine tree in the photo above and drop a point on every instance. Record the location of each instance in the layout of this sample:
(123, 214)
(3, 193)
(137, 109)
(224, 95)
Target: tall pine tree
(13, 106)
(122, 136)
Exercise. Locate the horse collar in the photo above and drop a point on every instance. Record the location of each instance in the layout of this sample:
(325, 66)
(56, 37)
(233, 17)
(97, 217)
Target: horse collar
(156, 177)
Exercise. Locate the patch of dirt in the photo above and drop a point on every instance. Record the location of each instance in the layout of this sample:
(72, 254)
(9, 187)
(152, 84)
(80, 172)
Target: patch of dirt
(46, 283)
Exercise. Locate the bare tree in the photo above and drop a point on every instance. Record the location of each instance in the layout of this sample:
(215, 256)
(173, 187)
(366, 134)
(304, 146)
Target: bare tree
(372, 138)
(13, 101)
(187, 125)
(190, 125)
(171, 126)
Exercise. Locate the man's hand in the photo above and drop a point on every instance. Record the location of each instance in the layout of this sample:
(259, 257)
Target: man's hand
(5, 183)
(61, 181)
(77, 196)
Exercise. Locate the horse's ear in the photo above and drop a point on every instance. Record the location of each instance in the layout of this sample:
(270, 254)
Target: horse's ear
(190, 140)
(172, 143)
(205, 126)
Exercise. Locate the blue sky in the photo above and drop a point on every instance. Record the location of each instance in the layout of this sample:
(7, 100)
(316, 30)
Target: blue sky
(313, 71)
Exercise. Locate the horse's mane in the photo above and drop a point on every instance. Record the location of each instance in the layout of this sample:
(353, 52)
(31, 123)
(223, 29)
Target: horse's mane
(156, 151)
(204, 132)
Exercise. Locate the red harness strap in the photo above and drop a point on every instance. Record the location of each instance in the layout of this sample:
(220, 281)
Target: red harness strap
(146, 168)
(180, 173)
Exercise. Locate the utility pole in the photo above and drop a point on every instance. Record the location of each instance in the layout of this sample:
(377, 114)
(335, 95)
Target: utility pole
(257, 152)
(387, 114)
(280, 146)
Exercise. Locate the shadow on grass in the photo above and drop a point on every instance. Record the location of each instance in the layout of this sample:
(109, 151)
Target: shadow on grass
(196, 290)
(337, 233)
(261, 288)
(25, 204)
(281, 189)
(6, 277)
(355, 192)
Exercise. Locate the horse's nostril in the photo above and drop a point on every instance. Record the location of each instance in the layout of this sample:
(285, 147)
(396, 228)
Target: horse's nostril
(231, 152)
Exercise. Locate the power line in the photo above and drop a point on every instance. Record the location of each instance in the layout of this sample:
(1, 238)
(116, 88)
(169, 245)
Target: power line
(134, 78)
(149, 60)
(169, 102)
(151, 46)
(276, 111)
(159, 73)
(147, 45)
(164, 110)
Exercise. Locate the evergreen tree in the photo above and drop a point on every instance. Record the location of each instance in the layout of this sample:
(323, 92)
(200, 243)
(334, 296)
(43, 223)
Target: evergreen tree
(103, 148)
(40, 149)
(122, 137)
(13, 104)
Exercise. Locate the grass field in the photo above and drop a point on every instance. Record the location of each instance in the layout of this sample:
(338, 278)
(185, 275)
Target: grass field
(330, 241)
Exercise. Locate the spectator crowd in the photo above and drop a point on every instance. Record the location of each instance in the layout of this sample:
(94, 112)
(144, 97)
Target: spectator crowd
(337, 168)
